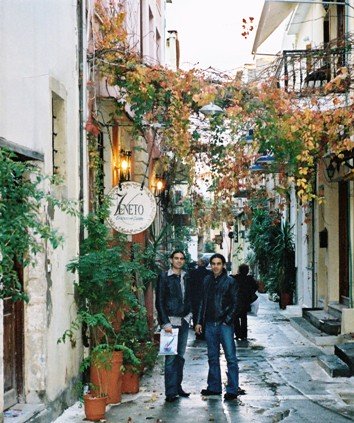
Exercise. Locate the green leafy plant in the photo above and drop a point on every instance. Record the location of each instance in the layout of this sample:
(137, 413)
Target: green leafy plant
(134, 334)
(262, 235)
(24, 231)
(284, 253)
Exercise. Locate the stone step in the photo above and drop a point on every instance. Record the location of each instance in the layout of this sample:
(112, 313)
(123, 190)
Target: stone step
(334, 366)
(314, 334)
(323, 321)
(345, 352)
(335, 309)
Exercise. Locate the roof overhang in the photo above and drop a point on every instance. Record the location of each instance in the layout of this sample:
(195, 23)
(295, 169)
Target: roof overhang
(274, 12)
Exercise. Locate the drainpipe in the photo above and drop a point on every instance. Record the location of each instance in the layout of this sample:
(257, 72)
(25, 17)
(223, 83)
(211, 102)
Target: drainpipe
(313, 252)
(141, 31)
(80, 19)
(349, 236)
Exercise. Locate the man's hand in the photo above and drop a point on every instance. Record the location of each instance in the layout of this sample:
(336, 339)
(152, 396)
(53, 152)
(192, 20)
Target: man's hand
(198, 329)
(168, 330)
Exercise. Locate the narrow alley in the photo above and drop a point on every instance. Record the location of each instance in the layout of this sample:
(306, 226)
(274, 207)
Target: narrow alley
(278, 370)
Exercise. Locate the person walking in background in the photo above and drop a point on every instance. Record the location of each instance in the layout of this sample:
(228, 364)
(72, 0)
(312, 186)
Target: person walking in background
(216, 313)
(173, 305)
(197, 277)
(247, 287)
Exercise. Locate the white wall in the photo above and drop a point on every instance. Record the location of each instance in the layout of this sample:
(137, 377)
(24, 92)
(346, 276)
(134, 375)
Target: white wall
(39, 56)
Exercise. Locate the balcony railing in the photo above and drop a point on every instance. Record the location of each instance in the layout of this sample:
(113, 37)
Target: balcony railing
(307, 72)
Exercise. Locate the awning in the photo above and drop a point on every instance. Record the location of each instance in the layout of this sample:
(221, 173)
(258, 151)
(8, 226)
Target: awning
(273, 14)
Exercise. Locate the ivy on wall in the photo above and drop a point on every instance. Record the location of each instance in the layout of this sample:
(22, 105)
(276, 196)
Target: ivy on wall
(24, 229)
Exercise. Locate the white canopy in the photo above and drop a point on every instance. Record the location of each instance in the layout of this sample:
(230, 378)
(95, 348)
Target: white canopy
(273, 14)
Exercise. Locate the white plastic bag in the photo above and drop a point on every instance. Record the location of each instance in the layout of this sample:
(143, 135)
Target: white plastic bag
(254, 308)
(168, 342)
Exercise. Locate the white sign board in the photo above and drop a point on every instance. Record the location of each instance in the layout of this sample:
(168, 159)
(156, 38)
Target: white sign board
(133, 208)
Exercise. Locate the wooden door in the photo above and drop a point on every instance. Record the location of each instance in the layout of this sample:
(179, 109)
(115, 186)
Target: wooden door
(343, 243)
(13, 350)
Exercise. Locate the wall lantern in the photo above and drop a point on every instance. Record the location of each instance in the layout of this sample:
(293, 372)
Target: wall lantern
(330, 170)
(211, 109)
(160, 191)
(160, 185)
(124, 166)
(336, 166)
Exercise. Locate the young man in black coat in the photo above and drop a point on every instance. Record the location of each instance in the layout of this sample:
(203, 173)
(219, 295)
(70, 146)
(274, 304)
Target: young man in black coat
(173, 305)
(215, 316)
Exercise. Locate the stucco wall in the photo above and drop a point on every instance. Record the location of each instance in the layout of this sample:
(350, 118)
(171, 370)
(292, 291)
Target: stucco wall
(40, 58)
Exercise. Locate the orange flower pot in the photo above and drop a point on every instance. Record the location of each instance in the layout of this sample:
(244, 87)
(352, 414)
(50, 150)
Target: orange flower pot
(95, 407)
(130, 382)
(107, 376)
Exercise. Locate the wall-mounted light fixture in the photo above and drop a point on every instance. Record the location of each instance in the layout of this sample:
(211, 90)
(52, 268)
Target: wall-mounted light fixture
(160, 190)
(124, 166)
(335, 165)
(160, 184)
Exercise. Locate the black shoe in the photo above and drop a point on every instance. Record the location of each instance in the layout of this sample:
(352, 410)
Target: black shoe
(206, 392)
(171, 399)
(241, 391)
(230, 397)
(181, 393)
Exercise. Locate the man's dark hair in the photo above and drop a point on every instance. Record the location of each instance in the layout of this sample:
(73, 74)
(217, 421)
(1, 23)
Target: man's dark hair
(177, 251)
(243, 269)
(217, 255)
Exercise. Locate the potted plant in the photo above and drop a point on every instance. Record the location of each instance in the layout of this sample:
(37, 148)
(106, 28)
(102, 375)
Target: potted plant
(135, 335)
(284, 264)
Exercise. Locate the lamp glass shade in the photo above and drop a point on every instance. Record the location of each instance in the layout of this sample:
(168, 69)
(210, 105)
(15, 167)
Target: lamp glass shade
(256, 168)
(211, 109)
(266, 159)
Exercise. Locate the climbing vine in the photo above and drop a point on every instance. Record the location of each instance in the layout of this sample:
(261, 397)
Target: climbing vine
(24, 230)
(297, 132)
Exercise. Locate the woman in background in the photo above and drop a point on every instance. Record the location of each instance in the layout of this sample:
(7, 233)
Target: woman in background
(247, 287)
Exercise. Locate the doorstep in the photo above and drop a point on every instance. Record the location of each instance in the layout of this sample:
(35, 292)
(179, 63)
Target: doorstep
(314, 334)
(323, 321)
(21, 413)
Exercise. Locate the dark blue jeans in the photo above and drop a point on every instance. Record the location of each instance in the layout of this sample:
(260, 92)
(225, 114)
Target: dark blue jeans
(216, 334)
(174, 363)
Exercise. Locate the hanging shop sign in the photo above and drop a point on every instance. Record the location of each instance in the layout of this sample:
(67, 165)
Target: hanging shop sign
(133, 208)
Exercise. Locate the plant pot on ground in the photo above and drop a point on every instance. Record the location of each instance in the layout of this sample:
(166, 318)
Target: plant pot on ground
(130, 379)
(95, 407)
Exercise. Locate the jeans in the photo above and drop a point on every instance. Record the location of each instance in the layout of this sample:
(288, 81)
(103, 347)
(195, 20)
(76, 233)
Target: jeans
(174, 363)
(216, 334)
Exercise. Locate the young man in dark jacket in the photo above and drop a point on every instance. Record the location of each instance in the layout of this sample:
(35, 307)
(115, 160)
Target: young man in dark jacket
(173, 305)
(216, 315)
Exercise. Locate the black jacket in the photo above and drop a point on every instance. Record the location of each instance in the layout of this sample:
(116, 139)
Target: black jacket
(225, 298)
(247, 287)
(169, 301)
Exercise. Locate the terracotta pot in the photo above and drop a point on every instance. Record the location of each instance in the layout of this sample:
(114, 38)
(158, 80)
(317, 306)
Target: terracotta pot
(285, 300)
(95, 407)
(107, 376)
(130, 381)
